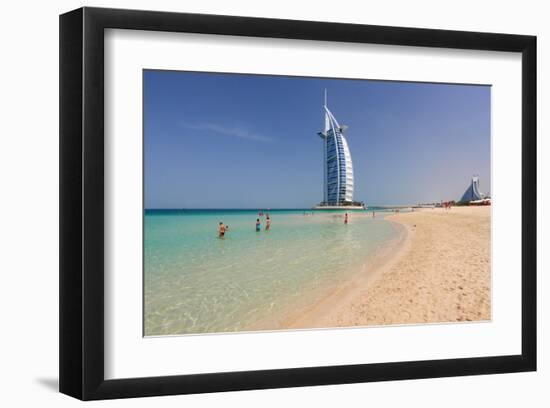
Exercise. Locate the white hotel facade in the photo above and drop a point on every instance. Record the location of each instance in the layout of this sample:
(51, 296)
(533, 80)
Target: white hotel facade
(338, 165)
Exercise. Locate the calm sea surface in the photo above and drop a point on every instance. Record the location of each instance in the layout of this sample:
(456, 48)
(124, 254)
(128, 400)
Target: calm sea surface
(195, 282)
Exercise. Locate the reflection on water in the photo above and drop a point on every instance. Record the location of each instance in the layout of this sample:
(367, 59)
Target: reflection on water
(195, 282)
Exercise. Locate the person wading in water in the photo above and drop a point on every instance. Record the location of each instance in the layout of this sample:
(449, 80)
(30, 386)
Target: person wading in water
(221, 230)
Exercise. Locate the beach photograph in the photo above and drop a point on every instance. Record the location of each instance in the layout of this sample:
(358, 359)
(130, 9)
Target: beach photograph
(290, 203)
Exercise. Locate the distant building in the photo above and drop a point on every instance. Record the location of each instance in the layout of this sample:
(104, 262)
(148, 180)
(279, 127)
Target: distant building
(338, 166)
(473, 193)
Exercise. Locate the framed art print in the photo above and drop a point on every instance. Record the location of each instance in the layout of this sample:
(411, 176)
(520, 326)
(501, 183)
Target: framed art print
(256, 203)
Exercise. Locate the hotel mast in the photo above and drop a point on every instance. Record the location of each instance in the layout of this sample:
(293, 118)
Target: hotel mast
(338, 167)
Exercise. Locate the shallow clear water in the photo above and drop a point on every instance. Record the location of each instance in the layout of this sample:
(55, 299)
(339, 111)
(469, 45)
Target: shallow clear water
(195, 282)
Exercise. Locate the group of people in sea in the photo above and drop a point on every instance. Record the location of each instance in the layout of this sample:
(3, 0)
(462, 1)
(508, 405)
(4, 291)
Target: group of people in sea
(222, 228)
(267, 222)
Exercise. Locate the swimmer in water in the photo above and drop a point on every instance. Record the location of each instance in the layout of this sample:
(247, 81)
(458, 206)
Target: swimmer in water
(258, 225)
(346, 218)
(221, 230)
(267, 222)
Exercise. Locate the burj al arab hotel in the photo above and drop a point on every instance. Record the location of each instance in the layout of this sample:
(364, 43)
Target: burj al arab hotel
(338, 166)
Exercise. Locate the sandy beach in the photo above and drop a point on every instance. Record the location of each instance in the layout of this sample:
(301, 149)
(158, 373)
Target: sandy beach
(437, 271)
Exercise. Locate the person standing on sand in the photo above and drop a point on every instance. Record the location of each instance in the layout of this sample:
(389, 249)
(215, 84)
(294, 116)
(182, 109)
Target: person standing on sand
(221, 230)
(346, 218)
(267, 222)
(258, 225)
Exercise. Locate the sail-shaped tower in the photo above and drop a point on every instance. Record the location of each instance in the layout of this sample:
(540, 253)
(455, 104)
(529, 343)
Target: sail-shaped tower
(338, 166)
(473, 193)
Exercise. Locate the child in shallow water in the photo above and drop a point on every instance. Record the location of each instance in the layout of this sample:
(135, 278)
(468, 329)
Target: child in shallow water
(258, 225)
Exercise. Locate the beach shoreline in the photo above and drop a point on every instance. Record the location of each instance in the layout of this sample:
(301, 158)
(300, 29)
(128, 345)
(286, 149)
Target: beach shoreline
(436, 271)
(434, 267)
(318, 315)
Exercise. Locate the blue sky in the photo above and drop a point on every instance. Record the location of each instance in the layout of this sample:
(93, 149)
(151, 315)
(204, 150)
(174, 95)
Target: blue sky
(250, 141)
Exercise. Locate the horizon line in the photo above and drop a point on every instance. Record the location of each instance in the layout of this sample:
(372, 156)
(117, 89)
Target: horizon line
(277, 208)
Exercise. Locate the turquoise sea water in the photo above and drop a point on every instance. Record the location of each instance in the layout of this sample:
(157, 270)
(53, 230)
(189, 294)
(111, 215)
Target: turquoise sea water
(195, 282)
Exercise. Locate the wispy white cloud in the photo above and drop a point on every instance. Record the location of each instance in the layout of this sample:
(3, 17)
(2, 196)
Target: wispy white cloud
(238, 132)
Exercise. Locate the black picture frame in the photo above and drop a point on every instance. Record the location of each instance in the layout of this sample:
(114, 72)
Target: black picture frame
(81, 347)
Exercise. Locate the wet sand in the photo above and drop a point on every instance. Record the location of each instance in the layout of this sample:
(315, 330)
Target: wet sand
(438, 270)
